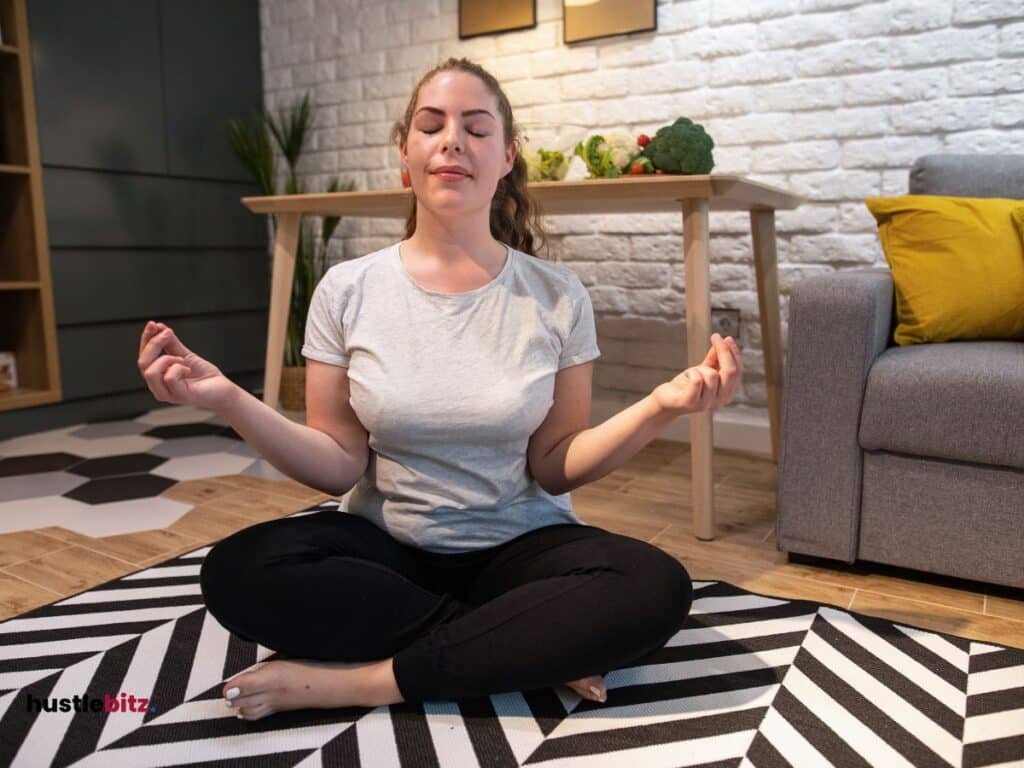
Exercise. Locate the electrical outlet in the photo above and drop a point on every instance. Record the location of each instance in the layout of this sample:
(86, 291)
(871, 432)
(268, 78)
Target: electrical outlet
(726, 322)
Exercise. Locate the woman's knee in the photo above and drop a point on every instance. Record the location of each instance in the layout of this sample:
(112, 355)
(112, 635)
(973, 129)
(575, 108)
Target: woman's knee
(231, 571)
(660, 585)
(679, 588)
(228, 557)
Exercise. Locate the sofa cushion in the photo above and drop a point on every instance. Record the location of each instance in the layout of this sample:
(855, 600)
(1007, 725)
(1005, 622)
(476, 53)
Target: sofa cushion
(970, 175)
(957, 264)
(960, 400)
(950, 517)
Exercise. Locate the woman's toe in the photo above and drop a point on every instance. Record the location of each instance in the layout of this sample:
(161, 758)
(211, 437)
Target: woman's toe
(585, 685)
(243, 702)
(256, 711)
(235, 687)
(245, 684)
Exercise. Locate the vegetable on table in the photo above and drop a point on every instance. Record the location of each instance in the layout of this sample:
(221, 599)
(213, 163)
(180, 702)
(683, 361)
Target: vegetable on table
(545, 164)
(641, 165)
(610, 156)
(682, 147)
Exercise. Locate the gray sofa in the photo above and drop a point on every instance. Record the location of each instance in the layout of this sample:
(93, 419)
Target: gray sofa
(908, 456)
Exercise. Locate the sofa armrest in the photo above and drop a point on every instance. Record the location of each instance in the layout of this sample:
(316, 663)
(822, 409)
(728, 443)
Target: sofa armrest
(838, 325)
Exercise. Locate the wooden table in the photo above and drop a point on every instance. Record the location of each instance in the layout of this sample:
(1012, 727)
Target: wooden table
(695, 196)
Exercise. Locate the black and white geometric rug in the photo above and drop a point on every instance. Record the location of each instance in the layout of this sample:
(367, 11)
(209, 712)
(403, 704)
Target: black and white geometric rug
(750, 680)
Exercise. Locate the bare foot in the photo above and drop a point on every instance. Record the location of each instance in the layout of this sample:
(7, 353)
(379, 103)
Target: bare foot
(582, 687)
(306, 684)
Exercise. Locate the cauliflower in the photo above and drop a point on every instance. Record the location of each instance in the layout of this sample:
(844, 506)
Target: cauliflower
(609, 156)
(577, 169)
(623, 149)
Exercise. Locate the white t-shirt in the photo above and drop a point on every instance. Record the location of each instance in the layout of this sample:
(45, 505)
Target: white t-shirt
(450, 387)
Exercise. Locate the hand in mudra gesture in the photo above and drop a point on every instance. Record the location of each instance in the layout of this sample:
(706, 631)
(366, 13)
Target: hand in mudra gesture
(175, 374)
(706, 386)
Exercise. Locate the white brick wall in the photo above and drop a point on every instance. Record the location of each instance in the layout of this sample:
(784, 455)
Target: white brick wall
(832, 99)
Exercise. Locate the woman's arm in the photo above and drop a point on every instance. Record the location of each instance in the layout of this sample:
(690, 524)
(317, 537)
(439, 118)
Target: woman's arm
(303, 453)
(585, 455)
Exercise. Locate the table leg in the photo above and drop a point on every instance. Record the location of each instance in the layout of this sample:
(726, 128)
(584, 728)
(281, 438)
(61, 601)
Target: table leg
(762, 230)
(286, 242)
(698, 338)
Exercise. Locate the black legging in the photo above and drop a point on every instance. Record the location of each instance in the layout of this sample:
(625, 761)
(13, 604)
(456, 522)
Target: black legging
(551, 606)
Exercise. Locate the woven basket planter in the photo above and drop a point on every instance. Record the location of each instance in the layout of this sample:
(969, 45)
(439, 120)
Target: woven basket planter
(293, 387)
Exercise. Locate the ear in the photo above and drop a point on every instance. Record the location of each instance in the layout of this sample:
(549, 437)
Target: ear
(510, 158)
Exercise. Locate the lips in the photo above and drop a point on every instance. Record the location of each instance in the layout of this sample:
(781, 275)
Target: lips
(450, 170)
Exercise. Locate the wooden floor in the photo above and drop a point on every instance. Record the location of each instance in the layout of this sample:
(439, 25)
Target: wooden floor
(648, 499)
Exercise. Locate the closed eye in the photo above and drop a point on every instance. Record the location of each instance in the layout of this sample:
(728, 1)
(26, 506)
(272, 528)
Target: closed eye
(471, 132)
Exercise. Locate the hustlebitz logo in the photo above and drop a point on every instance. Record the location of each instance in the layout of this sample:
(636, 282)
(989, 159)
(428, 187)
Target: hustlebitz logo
(126, 702)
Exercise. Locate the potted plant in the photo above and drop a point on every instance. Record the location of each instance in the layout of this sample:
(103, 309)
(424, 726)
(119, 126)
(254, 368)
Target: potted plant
(252, 146)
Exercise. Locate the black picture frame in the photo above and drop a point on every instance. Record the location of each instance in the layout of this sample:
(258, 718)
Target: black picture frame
(486, 17)
(608, 18)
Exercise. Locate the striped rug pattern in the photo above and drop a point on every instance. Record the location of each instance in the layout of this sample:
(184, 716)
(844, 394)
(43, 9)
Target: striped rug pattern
(750, 680)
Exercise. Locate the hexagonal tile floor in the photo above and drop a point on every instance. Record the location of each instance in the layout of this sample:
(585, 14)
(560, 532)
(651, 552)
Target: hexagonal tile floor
(105, 478)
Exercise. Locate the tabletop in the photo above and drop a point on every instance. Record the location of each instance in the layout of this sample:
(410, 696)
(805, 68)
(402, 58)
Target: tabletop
(651, 193)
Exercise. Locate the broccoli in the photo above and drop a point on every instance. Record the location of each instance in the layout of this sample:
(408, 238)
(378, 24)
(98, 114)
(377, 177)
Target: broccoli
(683, 147)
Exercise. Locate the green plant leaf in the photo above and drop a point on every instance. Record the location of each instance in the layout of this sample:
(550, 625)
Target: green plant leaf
(254, 149)
(330, 223)
(251, 145)
(290, 134)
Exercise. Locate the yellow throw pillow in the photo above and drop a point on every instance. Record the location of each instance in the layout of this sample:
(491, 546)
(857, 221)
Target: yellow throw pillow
(957, 265)
(1017, 214)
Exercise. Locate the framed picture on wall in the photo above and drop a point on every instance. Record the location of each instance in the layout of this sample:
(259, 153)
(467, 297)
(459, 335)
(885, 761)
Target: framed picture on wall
(485, 17)
(592, 19)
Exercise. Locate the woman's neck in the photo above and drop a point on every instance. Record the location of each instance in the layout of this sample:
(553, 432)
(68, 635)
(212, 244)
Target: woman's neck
(460, 241)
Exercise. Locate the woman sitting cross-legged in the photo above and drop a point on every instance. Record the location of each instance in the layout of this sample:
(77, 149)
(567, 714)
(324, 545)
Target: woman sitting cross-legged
(449, 389)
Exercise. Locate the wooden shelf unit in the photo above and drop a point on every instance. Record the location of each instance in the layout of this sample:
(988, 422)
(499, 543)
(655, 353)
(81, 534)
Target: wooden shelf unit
(27, 321)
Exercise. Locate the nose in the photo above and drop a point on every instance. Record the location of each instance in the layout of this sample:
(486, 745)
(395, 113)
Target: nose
(452, 136)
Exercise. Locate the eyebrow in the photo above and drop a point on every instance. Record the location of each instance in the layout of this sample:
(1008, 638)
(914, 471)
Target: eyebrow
(464, 114)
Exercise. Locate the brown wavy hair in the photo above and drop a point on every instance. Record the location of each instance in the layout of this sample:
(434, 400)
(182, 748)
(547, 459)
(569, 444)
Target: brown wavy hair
(515, 216)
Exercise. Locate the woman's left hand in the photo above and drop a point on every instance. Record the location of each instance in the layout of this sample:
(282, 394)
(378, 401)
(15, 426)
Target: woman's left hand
(706, 386)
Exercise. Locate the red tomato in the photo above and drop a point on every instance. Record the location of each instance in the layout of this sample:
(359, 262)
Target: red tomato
(637, 168)
(643, 140)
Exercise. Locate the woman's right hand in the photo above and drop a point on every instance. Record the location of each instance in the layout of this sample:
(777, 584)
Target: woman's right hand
(175, 374)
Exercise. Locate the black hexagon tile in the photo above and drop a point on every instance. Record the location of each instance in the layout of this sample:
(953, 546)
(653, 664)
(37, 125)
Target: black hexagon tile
(125, 464)
(38, 462)
(171, 431)
(122, 488)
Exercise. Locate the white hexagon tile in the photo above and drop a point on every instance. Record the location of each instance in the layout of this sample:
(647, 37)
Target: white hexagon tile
(104, 478)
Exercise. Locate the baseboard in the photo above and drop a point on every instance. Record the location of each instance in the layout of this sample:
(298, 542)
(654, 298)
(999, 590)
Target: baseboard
(736, 427)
